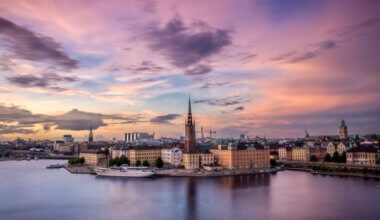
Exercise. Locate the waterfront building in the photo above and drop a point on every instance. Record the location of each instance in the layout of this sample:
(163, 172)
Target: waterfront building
(361, 156)
(284, 153)
(342, 130)
(94, 157)
(172, 156)
(330, 149)
(197, 160)
(144, 153)
(300, 154)
(118, 152)
(244, 156)
(318, 152)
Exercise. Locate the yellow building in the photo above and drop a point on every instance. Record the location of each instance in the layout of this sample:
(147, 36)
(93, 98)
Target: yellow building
(330, 149)
(144, 153)
(245, 157)
(300, 154)
(282, 153)
(197, 160)
(341, 148)
(95, 158)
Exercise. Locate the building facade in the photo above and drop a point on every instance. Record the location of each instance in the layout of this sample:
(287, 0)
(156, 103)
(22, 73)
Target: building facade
(172, 156)
(118, 152)
(135, 136)
(361, 156)
(94, 158)
(197, 160)
(330, 149)
(151, 154)
(251, 158)
(341, 148)
(300, 154)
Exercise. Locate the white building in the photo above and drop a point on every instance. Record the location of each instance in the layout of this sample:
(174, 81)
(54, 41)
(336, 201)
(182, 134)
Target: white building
(134, 136)
(172, 156)
(68, 139)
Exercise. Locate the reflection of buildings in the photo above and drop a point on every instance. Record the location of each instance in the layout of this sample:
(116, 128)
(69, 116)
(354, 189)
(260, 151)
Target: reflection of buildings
(191, 159)
(191, 199)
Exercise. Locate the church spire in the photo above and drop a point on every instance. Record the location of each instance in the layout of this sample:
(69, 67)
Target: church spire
(90, 136)
(189, 105)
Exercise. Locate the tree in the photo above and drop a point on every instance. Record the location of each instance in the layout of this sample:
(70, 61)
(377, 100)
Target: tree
(327, 158)
(273, 163)
(138, 163)
(146, 163)
(313, 158)
(123, 160)
(336, 157)
(159, 163)
(81, 160)
(343, 157)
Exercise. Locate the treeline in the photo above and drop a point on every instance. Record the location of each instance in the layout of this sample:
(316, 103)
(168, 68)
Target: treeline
(336, 158)
(74, 161)
(364, 170)
(118, 161)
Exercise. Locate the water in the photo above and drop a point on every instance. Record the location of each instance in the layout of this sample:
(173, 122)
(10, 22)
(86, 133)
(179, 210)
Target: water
(29, 191)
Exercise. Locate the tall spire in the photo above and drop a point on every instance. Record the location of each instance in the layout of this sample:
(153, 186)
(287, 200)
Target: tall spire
(189, 105)
(90, 136)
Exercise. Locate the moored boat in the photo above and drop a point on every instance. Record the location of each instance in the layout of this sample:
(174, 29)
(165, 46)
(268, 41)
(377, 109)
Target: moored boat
(124, 172)
(54, 166)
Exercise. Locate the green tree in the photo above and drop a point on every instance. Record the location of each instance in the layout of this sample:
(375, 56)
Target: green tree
(327, 158)
(313, 158)
(138, 163)
(343, 157)
(81, 160)
(146, 163)
(273, 163)
(159, 163)
(123, 160)
(336, 157)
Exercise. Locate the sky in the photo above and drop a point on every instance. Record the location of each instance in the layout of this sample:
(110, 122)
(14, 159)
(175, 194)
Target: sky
(263, 68)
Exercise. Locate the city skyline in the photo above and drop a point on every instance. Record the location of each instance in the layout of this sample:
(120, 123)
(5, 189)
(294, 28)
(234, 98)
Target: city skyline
(126, 66)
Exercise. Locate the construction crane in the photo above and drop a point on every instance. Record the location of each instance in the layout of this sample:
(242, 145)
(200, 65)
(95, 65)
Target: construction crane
(211, 132)
(201, 131)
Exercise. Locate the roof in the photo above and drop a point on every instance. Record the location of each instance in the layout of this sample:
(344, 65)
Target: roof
(363, 149)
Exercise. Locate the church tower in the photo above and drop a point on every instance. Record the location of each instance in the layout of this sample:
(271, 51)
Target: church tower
(342, 130)
(90, 136)
(190, 132)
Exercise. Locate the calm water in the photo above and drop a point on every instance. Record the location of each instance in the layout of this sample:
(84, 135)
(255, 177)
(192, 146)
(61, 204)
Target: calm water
(29, 191)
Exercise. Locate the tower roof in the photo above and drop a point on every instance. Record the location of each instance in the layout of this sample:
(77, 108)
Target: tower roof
(189, 105)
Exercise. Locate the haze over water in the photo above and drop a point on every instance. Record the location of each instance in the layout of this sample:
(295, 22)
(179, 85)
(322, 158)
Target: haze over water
(28, 190)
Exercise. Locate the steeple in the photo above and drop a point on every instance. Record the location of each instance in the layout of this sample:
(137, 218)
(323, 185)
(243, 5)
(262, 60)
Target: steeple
(189, 106)
(90, 136)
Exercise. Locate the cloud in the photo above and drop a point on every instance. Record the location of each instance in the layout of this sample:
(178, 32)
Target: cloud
(14, 129)
(208, 85)
(146, 67)
(75, 119)
(240, 108)
(198, 70)
(184, 46)
(25, 44)
(308, 53)
(45, 80)
(231, 100)
(164, 119)
(356, 27)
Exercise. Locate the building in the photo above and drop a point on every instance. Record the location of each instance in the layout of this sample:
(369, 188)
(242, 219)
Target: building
(244, 156)
(94, 158)
(68, 139)
(150, 154)
(361, 156)
(300, 154)
(341, 148)
(118, 152)
(318, 152)
(135, 136)
(342, 130)
(330, 149)
(172, 156)
(197, 160)
(284, 153)
(190, 139)
(90, 136)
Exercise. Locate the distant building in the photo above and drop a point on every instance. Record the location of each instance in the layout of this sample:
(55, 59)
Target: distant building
(242, 136)
(144, 153)
(119, 152)
(361, 156)
(135, 136)
(247, 157)
(90, 136)
(284, 153)
(341, 148)
(318, 152)
(342, 130)
(330, 149)
(68, 139)
(197, 160)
